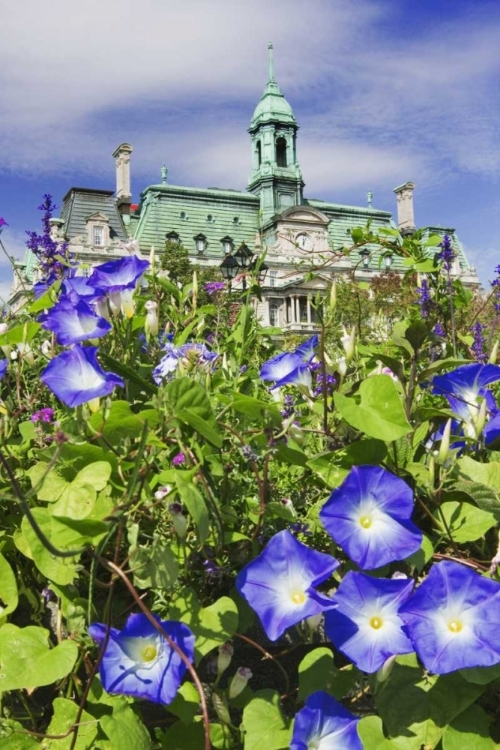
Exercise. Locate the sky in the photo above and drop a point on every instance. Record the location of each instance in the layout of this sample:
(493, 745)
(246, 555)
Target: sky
(384, 92)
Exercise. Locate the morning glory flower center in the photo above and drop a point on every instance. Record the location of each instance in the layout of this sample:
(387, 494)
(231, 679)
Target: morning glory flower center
(365, 521)
(149, 653)
(298, 597)
(376, 622)
(313, 745)
(455, 625)
(470, 398)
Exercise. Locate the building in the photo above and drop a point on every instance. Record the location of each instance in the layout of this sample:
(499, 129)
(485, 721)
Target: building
(273, 216)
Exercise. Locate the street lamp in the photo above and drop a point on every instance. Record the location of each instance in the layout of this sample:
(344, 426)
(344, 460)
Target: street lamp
(243, 256)
(229, 268)
(388, 261)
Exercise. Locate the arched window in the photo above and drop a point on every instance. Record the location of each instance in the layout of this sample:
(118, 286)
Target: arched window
(281, 152)
(227, 245)
(259, 153)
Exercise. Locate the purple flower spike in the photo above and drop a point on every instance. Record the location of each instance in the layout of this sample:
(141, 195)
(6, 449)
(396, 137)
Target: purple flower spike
(279, 583)
(76, 377)
(74, 323)
(452, 619)
(3, 367)
(117, 275)
(369, 517)
(324, 724)
(138, 661)
(365, 625)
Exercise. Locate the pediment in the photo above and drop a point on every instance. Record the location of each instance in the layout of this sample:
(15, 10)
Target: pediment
(304, 214)
(97, 216)
(318, 282)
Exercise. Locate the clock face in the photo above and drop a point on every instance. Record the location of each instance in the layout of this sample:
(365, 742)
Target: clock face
(304, 241)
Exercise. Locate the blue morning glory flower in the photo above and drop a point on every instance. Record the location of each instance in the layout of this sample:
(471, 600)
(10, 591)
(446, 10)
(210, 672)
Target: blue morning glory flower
(138, 661)
(74, 322)
(369, 517)
(3, 367)
(307, 350)
(465, 388)
(76, 377)
(279, 367)
(452, 619)
(365, 625)
(324, 724)
(189, 356)
(115, 275)
(279, 583)
(79, 285)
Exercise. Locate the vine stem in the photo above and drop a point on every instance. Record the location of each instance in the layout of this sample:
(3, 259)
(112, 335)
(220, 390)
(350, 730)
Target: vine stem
(267, 655)
(119, 572)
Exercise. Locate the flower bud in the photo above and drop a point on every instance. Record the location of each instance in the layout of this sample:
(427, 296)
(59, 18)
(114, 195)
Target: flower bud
(152, 259)
(432, 471)
(333, 295)
(445, 443)
(46, 349)
(127, 304)
(179, 520)
(226, 652)
(239, 682)
(314, 621)
(385, 670)
(348, 342)
(342, 366)
(26, 353)
(151, 324)
(94, 404)
(163, 492)
(494, 354)
(6, 348)
(480, 420)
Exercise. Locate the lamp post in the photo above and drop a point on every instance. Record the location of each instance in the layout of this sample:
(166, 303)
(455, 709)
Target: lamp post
(243, 257)
(388, 261)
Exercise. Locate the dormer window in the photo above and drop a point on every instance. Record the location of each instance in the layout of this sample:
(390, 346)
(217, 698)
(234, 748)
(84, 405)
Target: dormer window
(210, 219)
(173, 237)
(98, 236)
(236, 220)
(97, 230)
(227, 245)
(200, 243)
(183, 215)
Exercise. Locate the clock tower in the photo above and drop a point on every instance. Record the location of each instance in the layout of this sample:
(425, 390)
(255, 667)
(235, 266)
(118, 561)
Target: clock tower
(276, 177)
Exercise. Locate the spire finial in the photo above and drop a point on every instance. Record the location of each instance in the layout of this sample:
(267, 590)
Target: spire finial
(369, 198)
(270, 63)
(164, 172)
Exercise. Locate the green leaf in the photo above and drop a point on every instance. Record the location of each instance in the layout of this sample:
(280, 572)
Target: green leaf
(195, 503)
(8, 589)
(487, 474)
(52, 484)
(120, 423)
(154, 566)
(123, 727)
(181, 737)
(186, 703)
(481, 675)
(13, 736)
(255, 408)
(24, 333)
(263, 723)
(470, 730)
(65, 712)
(485, 497)
(26, 661)
(413, 704)
(422, 556)
(58, 569)
(190, 405)
(47, 299)
(317, 671)
(127, 373)
(376, 410)
(466, 522)
(372, 737)
(78, 498)
(211, 625)
(325, 466)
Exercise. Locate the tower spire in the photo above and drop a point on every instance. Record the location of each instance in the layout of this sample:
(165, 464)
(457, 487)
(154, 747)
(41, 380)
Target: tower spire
(270, 63)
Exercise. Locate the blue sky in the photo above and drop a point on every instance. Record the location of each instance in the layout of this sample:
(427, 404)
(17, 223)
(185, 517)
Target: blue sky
(384, 91)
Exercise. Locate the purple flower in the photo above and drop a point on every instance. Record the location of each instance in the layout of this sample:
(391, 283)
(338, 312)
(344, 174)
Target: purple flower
(47, 250)
(3, 367)
(452, 619)
(190, 356)
(74, 322)
(117, 275)
(479, 342)
(364, 624)
(447, 254)
(212, 287)
(44, 415)
(496, 289)
(425, 301)
(465, 388)
(369, 517)
(279, 584)
(78, 285)
(324, 724)
(438, 330)
(307, 350)
(76, 377)
(178, 459)
(138, 661)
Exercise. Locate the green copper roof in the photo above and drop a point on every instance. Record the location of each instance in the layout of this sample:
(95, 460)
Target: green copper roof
(272, 106)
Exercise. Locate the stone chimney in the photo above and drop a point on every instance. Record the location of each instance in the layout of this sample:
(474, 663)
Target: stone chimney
(404, 197)
(123, 189)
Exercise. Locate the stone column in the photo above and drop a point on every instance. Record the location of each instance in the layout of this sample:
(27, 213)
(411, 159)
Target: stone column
(123, 187)
(308, 309)
(404, 197)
